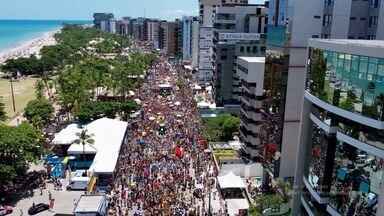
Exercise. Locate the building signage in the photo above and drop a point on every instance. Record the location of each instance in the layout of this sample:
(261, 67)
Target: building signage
(239, 36)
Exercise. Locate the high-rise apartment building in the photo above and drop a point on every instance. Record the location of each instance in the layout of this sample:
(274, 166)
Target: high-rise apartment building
(154, 33)
(99, 17)
(342, 151)
(169, 38)
(234, 36)
(195, 43)
(207, 10)
(187, 23)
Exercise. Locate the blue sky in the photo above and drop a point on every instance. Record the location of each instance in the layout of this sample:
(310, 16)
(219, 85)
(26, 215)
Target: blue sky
(83, 9)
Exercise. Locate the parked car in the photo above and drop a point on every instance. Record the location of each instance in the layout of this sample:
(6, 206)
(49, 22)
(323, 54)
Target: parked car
(4, 210)
(38, 208)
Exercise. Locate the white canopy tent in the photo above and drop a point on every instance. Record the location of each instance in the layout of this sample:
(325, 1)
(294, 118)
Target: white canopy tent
(67, 136)
(230, 180)
(108, 135)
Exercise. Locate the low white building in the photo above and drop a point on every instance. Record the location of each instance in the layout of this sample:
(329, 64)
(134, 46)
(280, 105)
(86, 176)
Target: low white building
(101, 156)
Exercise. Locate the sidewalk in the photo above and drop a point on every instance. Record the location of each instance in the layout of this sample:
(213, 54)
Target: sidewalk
(64, 201)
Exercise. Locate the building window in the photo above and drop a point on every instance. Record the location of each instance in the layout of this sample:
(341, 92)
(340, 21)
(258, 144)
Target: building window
(328, 2)
(374, 3)
(352, 18)
(223, 57)
(350, 82)
(327, 20)
(248, 49)
(241, 49)
(372, 21)
(254, 49)
(243, 69)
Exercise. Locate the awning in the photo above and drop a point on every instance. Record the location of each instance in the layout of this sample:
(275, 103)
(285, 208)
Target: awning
(230, 180)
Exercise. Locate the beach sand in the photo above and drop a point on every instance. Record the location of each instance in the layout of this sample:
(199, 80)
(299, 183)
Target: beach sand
(29, 47)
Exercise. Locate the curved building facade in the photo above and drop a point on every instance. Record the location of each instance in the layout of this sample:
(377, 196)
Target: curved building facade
(343, 128)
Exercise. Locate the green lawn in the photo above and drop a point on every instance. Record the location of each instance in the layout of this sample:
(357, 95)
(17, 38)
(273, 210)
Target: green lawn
(24, 92)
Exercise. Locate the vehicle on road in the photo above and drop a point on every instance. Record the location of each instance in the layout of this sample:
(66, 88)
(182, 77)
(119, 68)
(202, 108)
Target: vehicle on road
(4, 210)
(38, 208)
(78, 183)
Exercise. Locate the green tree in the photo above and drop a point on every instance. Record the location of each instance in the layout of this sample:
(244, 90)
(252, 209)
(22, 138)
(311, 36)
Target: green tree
(231, 125)
(221, 128)
(39, 112)
(3, 114)
(18, 147)
(83, 138)
(39, 89)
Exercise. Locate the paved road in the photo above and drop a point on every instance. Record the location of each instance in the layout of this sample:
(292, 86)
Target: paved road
(64, 201)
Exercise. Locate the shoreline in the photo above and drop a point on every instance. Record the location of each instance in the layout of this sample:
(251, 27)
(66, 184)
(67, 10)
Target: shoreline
(29, 47)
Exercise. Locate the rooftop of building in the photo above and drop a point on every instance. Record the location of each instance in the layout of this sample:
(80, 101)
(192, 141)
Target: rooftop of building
(253, 59)
(89, 204)
(372, 48)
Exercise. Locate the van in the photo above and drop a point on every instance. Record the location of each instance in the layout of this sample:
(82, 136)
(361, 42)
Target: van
(78, 183)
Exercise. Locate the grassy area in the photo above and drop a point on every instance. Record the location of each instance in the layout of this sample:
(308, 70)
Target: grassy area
(24, 92)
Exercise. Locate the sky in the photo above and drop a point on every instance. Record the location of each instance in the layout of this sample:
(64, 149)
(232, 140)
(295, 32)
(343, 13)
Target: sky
(83, 9)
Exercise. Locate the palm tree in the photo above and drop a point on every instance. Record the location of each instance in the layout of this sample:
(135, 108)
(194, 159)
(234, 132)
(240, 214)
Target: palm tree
(84, 138)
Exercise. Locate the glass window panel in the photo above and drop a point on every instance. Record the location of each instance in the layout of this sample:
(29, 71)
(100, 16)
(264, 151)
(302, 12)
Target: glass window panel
(372, 68)
(380, 71)
(354, 68)
(363, 67)
(347, 66)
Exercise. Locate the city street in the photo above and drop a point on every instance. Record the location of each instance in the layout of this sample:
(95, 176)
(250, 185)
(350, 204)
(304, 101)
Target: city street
(165, 160)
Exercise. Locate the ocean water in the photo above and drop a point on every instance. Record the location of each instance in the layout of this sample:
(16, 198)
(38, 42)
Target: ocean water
(15, 32)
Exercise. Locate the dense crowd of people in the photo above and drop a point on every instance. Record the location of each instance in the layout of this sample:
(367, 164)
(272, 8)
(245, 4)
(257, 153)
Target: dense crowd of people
(164, 167)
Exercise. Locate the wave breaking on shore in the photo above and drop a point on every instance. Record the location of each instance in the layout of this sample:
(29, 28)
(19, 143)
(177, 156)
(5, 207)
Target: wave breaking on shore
(30, 47)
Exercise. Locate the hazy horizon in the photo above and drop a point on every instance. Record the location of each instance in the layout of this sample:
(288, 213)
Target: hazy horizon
(83, 10)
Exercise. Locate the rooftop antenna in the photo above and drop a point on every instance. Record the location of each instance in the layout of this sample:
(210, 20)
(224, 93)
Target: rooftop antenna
(144, 13)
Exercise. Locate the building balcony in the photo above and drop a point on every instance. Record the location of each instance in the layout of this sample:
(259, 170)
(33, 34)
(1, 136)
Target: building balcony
(369, 148)
(343, 112)
(321, 124)
(315, 195)
(311, 206)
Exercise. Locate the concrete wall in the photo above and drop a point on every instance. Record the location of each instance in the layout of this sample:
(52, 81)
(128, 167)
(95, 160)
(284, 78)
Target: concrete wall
(341, 16)
(303, 26)
(380, 26)
(358, 27)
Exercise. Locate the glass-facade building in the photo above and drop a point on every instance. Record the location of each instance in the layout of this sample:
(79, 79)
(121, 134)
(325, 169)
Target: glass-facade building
(344, 166)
